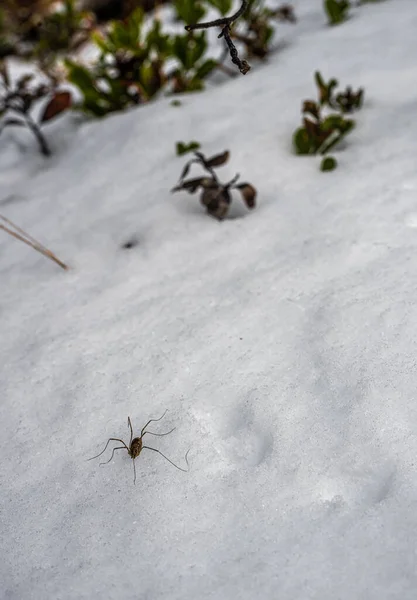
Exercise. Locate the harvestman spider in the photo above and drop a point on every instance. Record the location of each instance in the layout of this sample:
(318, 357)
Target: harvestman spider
(136, 446)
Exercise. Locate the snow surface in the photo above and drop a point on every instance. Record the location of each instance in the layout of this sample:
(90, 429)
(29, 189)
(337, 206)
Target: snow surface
(282, 342)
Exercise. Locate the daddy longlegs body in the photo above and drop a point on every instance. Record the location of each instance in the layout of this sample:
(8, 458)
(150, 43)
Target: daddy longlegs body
(136, 446)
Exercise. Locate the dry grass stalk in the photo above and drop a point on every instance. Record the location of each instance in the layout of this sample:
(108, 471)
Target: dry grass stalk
(24, 237)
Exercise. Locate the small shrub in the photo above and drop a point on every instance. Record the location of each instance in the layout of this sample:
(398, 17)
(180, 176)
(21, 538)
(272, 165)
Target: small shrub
(215, 196)
(17, 101)
(132, 66)
(63, 30)
(320, 131)
(128, 71)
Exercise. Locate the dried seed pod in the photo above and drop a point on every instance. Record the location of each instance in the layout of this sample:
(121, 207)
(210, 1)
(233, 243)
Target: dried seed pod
(217, 201)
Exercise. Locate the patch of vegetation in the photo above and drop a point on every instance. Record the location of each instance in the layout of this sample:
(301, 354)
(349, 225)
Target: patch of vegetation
(41, 29)
(128, 71)
(17, 101)
(256, 29)
(321, 131)
(132, 66)
(62, 31)
(215, 196)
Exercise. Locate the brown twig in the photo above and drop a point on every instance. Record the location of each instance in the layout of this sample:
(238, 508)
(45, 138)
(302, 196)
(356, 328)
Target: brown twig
(24, 237)
(225, 23)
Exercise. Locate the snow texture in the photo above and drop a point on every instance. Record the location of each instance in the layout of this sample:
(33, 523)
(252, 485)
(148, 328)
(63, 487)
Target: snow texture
(282, 342)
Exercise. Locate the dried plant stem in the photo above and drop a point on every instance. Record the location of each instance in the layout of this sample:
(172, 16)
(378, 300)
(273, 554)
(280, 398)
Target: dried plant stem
(226, 23)
(24, 237)
(39, 135)
(219, 22)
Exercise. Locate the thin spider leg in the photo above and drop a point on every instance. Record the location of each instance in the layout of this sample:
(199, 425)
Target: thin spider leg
(169, 460)
(129, 422)
(159, 434)
(134, 472)
(105, 448)
(114, 449)
(152, 421)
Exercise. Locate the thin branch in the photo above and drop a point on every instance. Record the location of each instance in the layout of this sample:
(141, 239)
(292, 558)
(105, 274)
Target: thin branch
(30, 241)
(242, 65)
(219, 22)
(225, 23)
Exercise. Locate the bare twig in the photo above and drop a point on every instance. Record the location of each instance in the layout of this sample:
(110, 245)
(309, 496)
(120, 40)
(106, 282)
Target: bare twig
(225, 23)
(24, 237)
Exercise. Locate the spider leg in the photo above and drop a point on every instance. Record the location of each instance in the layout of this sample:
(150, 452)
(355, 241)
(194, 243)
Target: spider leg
(159, 434)
(129, 422)
(111, 457)
(152, 421)
(105, 448)
(169, 460)
(134, 472)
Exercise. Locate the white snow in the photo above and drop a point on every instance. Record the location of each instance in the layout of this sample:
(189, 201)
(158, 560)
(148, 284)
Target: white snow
(282, 342)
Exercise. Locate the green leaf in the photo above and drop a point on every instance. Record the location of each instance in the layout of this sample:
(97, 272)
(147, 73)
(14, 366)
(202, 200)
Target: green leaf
(223, 6)
(102, 43)
(95, 101)
(79, 76)
(157, 40)
(206, 68)
(183, 148)
(179, 48)
(328, 164)
(196, 46)
(336, 10)
(302, 142)
(189, 11)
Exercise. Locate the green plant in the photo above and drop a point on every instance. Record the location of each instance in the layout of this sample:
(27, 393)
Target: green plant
(320, 133)
(182, 147)
(63, 30)
(347, 101)
(215, 196)
(129, 70)
(189, 11)
(336, 10)
(193, 67)
(17, 101)
(256, 27)
(132, 66)
(6, 46)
